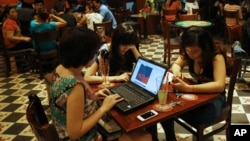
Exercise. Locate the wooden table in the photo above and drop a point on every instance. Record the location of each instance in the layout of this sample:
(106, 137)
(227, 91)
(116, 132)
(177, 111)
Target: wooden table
(129, 122)
(145, 39)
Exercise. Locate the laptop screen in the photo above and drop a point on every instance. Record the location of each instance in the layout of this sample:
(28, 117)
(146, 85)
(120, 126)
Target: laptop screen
(145, 74)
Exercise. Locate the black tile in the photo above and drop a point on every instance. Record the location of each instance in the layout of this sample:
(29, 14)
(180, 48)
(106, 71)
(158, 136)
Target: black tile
(8, 85)
(29, 86)
(246, 108)
(6, 80)
(16, 128)
(236, 100)
(10, 99)
(22, 138)
(11, 107)
(243, 93)
(13, 117)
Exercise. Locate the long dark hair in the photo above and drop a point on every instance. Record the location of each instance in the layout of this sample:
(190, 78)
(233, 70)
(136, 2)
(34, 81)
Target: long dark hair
(199, 36)
(124, 34)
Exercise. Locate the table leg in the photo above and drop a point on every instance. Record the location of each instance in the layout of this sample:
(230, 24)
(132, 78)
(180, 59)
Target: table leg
(145, 39)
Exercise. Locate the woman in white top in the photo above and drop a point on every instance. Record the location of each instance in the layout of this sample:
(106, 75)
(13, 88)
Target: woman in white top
(90, 17)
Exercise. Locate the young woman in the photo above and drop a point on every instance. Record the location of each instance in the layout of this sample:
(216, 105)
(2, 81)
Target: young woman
(72, 102)
(123, 52)
(91, 16)
(207, 64)
(46, 22)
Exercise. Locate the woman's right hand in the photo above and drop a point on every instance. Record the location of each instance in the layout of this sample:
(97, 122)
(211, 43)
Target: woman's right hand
(110, 101)
(124, 77)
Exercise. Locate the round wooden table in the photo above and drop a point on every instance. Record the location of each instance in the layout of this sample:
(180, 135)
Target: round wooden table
(186, 24)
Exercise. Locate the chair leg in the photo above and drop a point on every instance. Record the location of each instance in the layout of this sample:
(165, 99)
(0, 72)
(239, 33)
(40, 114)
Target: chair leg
(199, 135)
(228, 133)
(7, 66)
(164, 54)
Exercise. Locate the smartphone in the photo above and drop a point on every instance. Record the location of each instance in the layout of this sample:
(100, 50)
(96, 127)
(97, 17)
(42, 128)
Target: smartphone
(147, 115)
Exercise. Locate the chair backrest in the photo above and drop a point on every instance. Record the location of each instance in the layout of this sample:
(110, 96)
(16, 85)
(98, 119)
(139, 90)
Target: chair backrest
(186, 17)
(44, 36)
(200, 12)
(233, 15)
(104, 26)
(38, 121)
(169, 14)
(7, 53)
(46, 60)
(233, 77)
(171, 40)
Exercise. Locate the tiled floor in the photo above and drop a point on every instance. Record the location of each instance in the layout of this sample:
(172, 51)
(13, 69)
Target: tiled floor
(15, 89)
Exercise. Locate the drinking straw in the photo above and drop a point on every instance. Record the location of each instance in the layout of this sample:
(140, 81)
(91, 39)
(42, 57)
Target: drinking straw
(103, 69)
(165, 87)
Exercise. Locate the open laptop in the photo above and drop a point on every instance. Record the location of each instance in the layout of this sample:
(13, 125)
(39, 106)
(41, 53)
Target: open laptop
(141, 89)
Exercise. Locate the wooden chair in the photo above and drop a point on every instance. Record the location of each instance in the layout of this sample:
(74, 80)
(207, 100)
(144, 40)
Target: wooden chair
(46, 60)
(225, 115)
(104, 30)
(107, 26)
(171, 41)
(235, 37)
(200, 12)
(169, 15)
(187, 17)
(7, 54)
(232, 15)
(38, 121)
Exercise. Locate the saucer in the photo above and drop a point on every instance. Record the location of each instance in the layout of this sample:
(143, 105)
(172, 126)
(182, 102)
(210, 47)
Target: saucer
(189, 97)
(162, 108)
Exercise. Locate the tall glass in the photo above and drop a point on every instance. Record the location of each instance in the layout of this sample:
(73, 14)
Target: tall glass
(162, 94)
(104, 71)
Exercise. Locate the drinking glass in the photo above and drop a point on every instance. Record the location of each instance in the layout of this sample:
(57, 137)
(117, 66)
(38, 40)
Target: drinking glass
(104, 70)
(162, 83)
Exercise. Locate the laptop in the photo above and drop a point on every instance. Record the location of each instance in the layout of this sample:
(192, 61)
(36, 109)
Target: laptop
(141, 89)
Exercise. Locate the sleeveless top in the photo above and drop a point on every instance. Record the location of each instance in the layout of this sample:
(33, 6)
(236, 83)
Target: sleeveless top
(60, 89)
(205, 76)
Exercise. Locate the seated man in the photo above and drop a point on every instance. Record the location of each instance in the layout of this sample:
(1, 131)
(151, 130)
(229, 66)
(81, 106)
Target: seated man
(105, 12)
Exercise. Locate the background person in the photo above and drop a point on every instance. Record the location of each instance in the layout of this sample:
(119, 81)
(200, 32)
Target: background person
(13, 39)
(105, 12)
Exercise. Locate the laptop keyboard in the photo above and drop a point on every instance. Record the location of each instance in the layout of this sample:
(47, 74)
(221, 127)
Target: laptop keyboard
(130, 95)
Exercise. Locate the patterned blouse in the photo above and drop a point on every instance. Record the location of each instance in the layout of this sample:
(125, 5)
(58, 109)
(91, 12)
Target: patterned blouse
(60, 90)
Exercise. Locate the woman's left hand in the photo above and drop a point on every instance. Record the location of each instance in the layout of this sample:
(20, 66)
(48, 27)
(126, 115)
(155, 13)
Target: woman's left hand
(179, 84)
(102, 94)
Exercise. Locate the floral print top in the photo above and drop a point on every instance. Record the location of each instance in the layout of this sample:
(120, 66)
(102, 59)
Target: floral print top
(60, 89)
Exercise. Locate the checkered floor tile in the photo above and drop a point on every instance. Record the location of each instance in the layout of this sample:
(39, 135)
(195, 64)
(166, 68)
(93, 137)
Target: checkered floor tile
(15, 89)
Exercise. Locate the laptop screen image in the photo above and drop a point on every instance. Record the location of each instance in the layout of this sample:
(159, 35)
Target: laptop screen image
(145, 73)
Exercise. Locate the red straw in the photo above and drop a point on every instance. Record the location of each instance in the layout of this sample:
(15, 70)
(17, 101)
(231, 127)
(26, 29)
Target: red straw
(104, 69)
(166, 85)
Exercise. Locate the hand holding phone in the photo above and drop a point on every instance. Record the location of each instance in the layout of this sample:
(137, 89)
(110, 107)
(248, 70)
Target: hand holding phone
(147, 115)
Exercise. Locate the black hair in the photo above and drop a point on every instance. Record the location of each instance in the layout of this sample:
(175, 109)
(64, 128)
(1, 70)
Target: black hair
(38, 1)
(78, 46)
(7, 10)
(124, 34)
(43, 14)
(59, 6)
(195, 35)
